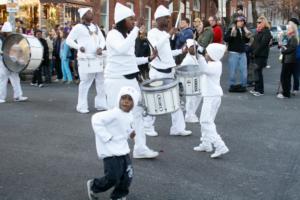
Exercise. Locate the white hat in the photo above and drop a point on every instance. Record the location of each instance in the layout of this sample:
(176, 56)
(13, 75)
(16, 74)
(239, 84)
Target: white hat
(6, 27)
(191, 42)
(122, 12)
(161, 11)
(216, 51)
(82, 11)
(131, 92)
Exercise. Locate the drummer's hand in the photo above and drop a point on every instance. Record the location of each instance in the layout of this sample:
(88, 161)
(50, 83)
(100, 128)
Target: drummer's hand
(132, 135)
(139, 22)
(185, 50)
(173, 31)
(99, 52)
(154, 54)
(82, 49)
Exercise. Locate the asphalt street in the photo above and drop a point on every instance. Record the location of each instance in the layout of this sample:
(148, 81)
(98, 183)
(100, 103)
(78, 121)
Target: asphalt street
(47, 149)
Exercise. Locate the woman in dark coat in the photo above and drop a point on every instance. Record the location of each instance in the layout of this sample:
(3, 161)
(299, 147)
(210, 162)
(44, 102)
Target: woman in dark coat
(289, 62)
(261, 49)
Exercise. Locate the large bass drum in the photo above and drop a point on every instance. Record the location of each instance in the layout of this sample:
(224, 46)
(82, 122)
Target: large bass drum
(188, 77)
(22, 52)
(161, 96)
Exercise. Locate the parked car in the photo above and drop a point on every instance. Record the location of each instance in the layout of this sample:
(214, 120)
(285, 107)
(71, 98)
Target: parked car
(275, 32)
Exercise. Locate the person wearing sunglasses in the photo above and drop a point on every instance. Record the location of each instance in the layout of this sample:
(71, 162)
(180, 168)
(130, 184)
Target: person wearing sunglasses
(261, 49)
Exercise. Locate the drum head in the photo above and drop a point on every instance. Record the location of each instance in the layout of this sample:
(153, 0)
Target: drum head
(16, 53)
(159, 84)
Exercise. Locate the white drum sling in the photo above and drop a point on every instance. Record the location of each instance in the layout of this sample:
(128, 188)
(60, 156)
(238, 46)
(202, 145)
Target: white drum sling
(189, 80)
(160, 96)
(22, 52)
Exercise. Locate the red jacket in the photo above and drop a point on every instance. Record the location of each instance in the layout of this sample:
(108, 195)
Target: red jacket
(218, 34)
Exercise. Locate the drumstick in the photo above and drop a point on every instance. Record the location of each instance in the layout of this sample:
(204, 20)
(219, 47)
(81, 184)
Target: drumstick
(152, 47)
(177, 23)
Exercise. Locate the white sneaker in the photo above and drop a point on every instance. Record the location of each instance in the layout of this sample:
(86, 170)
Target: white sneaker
(191, 119)
(294, 92)
(34, 84)
(258, 94)
(91, 194)
(20, 99)
(204, 148)
(252, 91)
(150, 131)
(220, 151)
(147, 154)
(83, 111)
(182, 133)
(41, 85)
(2, 101)
(280, 96)
(268, 66)
(101, 109)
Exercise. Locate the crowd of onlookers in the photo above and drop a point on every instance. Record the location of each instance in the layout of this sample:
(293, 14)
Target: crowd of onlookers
(248, 52)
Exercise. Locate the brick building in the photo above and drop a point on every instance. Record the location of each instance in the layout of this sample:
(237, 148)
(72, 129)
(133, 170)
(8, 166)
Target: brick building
(146, 8)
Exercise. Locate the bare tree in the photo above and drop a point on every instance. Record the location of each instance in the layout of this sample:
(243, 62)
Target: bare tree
(254, 11)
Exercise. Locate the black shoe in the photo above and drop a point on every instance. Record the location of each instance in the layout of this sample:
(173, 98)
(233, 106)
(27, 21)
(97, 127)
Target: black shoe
(242, 89)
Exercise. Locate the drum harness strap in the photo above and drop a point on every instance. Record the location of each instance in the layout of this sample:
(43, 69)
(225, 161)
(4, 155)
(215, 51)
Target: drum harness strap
(166, 71)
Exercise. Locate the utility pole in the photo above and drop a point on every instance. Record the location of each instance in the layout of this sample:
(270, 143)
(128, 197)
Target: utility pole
(12, 7)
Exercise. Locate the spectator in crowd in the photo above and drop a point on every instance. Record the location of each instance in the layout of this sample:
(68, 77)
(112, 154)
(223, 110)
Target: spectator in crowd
(65, 54)
(296, 71)
(37, 75)
(261, 49)
(239, 13)
(289, 62)
(47, 68)
(153, 24)
(218, 33)
(56, 57)
(237, 36)
(197, 24)
(142, 49)
(186, 32)
(206, 34)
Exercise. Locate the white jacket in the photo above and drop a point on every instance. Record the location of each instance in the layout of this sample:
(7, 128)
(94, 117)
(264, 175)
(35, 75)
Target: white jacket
(161, 40)
(121, 59)
(112, 129)
(210, 79)
(189, 60)
(80, 37)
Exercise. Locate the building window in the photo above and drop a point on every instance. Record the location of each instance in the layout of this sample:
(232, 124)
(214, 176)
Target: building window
(196, 5)
(148, 18)
(104, 14)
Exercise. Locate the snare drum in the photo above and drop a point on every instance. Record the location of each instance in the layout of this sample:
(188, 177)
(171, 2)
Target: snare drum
(161, 96)
(22, 52)
(188, 77)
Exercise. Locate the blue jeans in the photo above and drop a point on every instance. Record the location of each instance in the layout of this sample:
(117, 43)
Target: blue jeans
(237, 61)
(66, 70)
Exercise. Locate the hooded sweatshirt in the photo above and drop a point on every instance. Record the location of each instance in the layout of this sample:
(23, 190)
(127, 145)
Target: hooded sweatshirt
(112, 128)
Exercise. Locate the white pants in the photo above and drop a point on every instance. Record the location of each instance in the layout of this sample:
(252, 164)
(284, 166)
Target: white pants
(14, 80)
(191, 105)
(86, 80)
(112, 88)
(209, 111)
(178, 123)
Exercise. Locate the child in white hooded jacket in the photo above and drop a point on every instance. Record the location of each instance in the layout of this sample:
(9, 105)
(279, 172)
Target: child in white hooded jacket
(112, 129)
(211, 92)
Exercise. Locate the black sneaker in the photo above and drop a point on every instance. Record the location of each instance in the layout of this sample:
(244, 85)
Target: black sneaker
(91, 194)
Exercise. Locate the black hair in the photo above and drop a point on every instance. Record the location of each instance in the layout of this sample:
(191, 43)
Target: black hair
(239, 7)
(37, 31)
(206, 23)
(186, 19)
(121, 27)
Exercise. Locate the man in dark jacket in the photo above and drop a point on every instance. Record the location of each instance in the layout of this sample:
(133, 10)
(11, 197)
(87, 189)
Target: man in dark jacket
(37, 75)
(237, 37)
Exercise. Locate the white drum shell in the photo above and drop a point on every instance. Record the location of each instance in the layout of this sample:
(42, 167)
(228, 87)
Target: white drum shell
(162, 101)
(189, 79)
(36, 52)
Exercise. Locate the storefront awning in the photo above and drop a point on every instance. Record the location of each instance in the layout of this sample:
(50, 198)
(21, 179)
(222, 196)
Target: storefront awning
(78, 2)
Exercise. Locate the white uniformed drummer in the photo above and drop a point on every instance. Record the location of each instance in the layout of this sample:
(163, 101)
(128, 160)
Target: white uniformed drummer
(12, 76)
(122, 70)
(162, 67)
(87, 38)
(192, 102)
